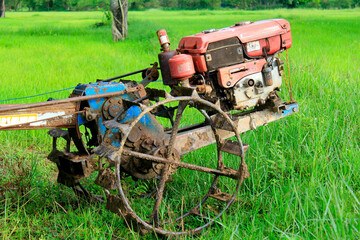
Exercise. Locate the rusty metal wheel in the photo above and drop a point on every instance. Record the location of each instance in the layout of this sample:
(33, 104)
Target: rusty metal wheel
(182, 203)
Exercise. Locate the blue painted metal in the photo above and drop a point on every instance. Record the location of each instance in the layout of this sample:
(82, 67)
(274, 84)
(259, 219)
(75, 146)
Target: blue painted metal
(96, 104)
(93, 89)
(111, 134)
(132, 113)
(96, 107)
(290, 109)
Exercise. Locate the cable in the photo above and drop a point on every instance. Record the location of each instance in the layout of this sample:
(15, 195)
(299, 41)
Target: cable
(61, 90)
(288, 83)
(287, 63)
(37, 95)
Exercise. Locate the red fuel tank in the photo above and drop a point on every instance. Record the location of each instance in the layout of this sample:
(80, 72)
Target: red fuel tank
(181, 66)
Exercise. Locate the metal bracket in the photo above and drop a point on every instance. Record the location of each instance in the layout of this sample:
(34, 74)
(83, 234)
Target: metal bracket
(90, 116)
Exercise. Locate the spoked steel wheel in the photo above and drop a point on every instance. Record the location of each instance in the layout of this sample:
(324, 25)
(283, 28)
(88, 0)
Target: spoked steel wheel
(192, 188)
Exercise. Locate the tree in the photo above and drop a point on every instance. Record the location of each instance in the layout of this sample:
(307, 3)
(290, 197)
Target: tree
(294, 3)
(119, 9)
(169, 3)
(2, 8)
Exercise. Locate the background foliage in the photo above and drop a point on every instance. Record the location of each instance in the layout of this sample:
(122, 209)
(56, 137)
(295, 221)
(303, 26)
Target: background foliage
(79, 5)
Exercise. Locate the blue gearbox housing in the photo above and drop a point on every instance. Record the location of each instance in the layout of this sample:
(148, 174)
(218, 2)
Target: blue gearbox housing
(101, 120)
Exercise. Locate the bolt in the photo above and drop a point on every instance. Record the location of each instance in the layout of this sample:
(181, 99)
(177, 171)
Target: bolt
(294, 109)
(228, 83)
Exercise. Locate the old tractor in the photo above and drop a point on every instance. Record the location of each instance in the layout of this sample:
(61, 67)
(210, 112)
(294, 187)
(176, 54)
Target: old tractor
(170, 162)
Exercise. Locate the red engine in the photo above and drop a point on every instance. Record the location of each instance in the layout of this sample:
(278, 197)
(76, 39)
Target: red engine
(237, 65)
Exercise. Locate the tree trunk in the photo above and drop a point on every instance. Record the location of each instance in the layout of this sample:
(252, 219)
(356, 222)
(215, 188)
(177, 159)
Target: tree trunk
(244, 5)
(2, 8)
(119, 9)
(17, 3)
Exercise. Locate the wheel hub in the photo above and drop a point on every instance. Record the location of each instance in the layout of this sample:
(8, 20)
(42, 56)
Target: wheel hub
(173, 157)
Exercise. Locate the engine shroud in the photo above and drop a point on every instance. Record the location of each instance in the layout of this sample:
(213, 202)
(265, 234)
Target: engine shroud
(228, 59)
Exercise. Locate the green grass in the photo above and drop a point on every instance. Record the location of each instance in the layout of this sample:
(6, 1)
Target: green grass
(304, 181)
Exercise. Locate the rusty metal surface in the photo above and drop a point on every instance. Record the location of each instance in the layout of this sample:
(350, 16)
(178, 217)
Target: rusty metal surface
(51, 114)
(232, 147)
(152, 74)
(14, 107)
(217, 194)
(106, 179)
(199, 137)
(232, 173)
(62, 115)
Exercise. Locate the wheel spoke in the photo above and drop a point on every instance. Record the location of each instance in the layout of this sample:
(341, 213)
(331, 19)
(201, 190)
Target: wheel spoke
(159, 195)
(228, 172)
(220, 163)
(175, 129)
(164, 173)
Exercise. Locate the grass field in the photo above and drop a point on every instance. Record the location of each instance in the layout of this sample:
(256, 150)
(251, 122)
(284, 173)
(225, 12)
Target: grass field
(305, 178)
